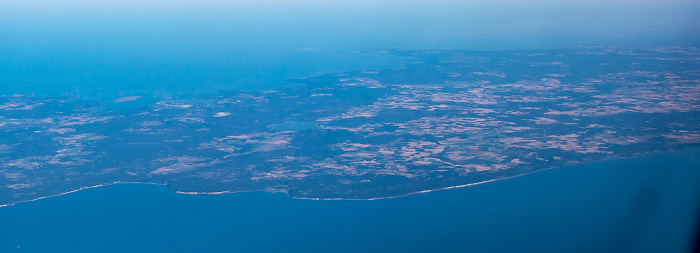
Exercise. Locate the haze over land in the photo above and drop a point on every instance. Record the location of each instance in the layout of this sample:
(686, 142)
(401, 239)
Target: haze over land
(447, 118)
(349, 99)
(103, 50)
(197, 92)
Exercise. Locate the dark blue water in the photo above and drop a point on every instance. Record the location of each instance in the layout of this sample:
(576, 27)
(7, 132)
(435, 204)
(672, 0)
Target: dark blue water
(644, 204)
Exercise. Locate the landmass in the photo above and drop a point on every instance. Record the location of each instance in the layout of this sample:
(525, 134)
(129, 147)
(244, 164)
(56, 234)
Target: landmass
(445, 119)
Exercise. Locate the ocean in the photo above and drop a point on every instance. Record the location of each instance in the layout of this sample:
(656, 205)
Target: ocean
(641, 204)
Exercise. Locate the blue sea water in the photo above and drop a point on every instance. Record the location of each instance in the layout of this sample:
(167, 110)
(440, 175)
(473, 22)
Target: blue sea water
(111, 49)
(642, 204)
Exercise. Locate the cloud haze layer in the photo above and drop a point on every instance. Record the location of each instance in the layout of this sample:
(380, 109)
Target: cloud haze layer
(392, 23)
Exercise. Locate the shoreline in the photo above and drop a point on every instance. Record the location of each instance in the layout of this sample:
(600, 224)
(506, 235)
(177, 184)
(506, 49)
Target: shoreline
(350, 199)
(413, 193)
(77, 190)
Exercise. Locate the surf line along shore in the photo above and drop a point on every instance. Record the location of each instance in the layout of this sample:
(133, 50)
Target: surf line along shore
(367, 199)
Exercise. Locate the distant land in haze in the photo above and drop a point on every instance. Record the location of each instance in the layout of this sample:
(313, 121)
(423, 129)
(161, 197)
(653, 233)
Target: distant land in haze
(445, 119)
(349, 126)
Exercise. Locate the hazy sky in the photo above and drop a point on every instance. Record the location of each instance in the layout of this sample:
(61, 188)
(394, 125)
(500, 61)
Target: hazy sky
(398, 23)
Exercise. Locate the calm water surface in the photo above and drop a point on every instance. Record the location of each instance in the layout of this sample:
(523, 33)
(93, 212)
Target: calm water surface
(642, 204)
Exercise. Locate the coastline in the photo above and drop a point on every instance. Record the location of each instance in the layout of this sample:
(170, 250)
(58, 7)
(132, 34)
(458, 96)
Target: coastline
(77, 190)
(293, 197)
(413, 193)
(368, 199)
